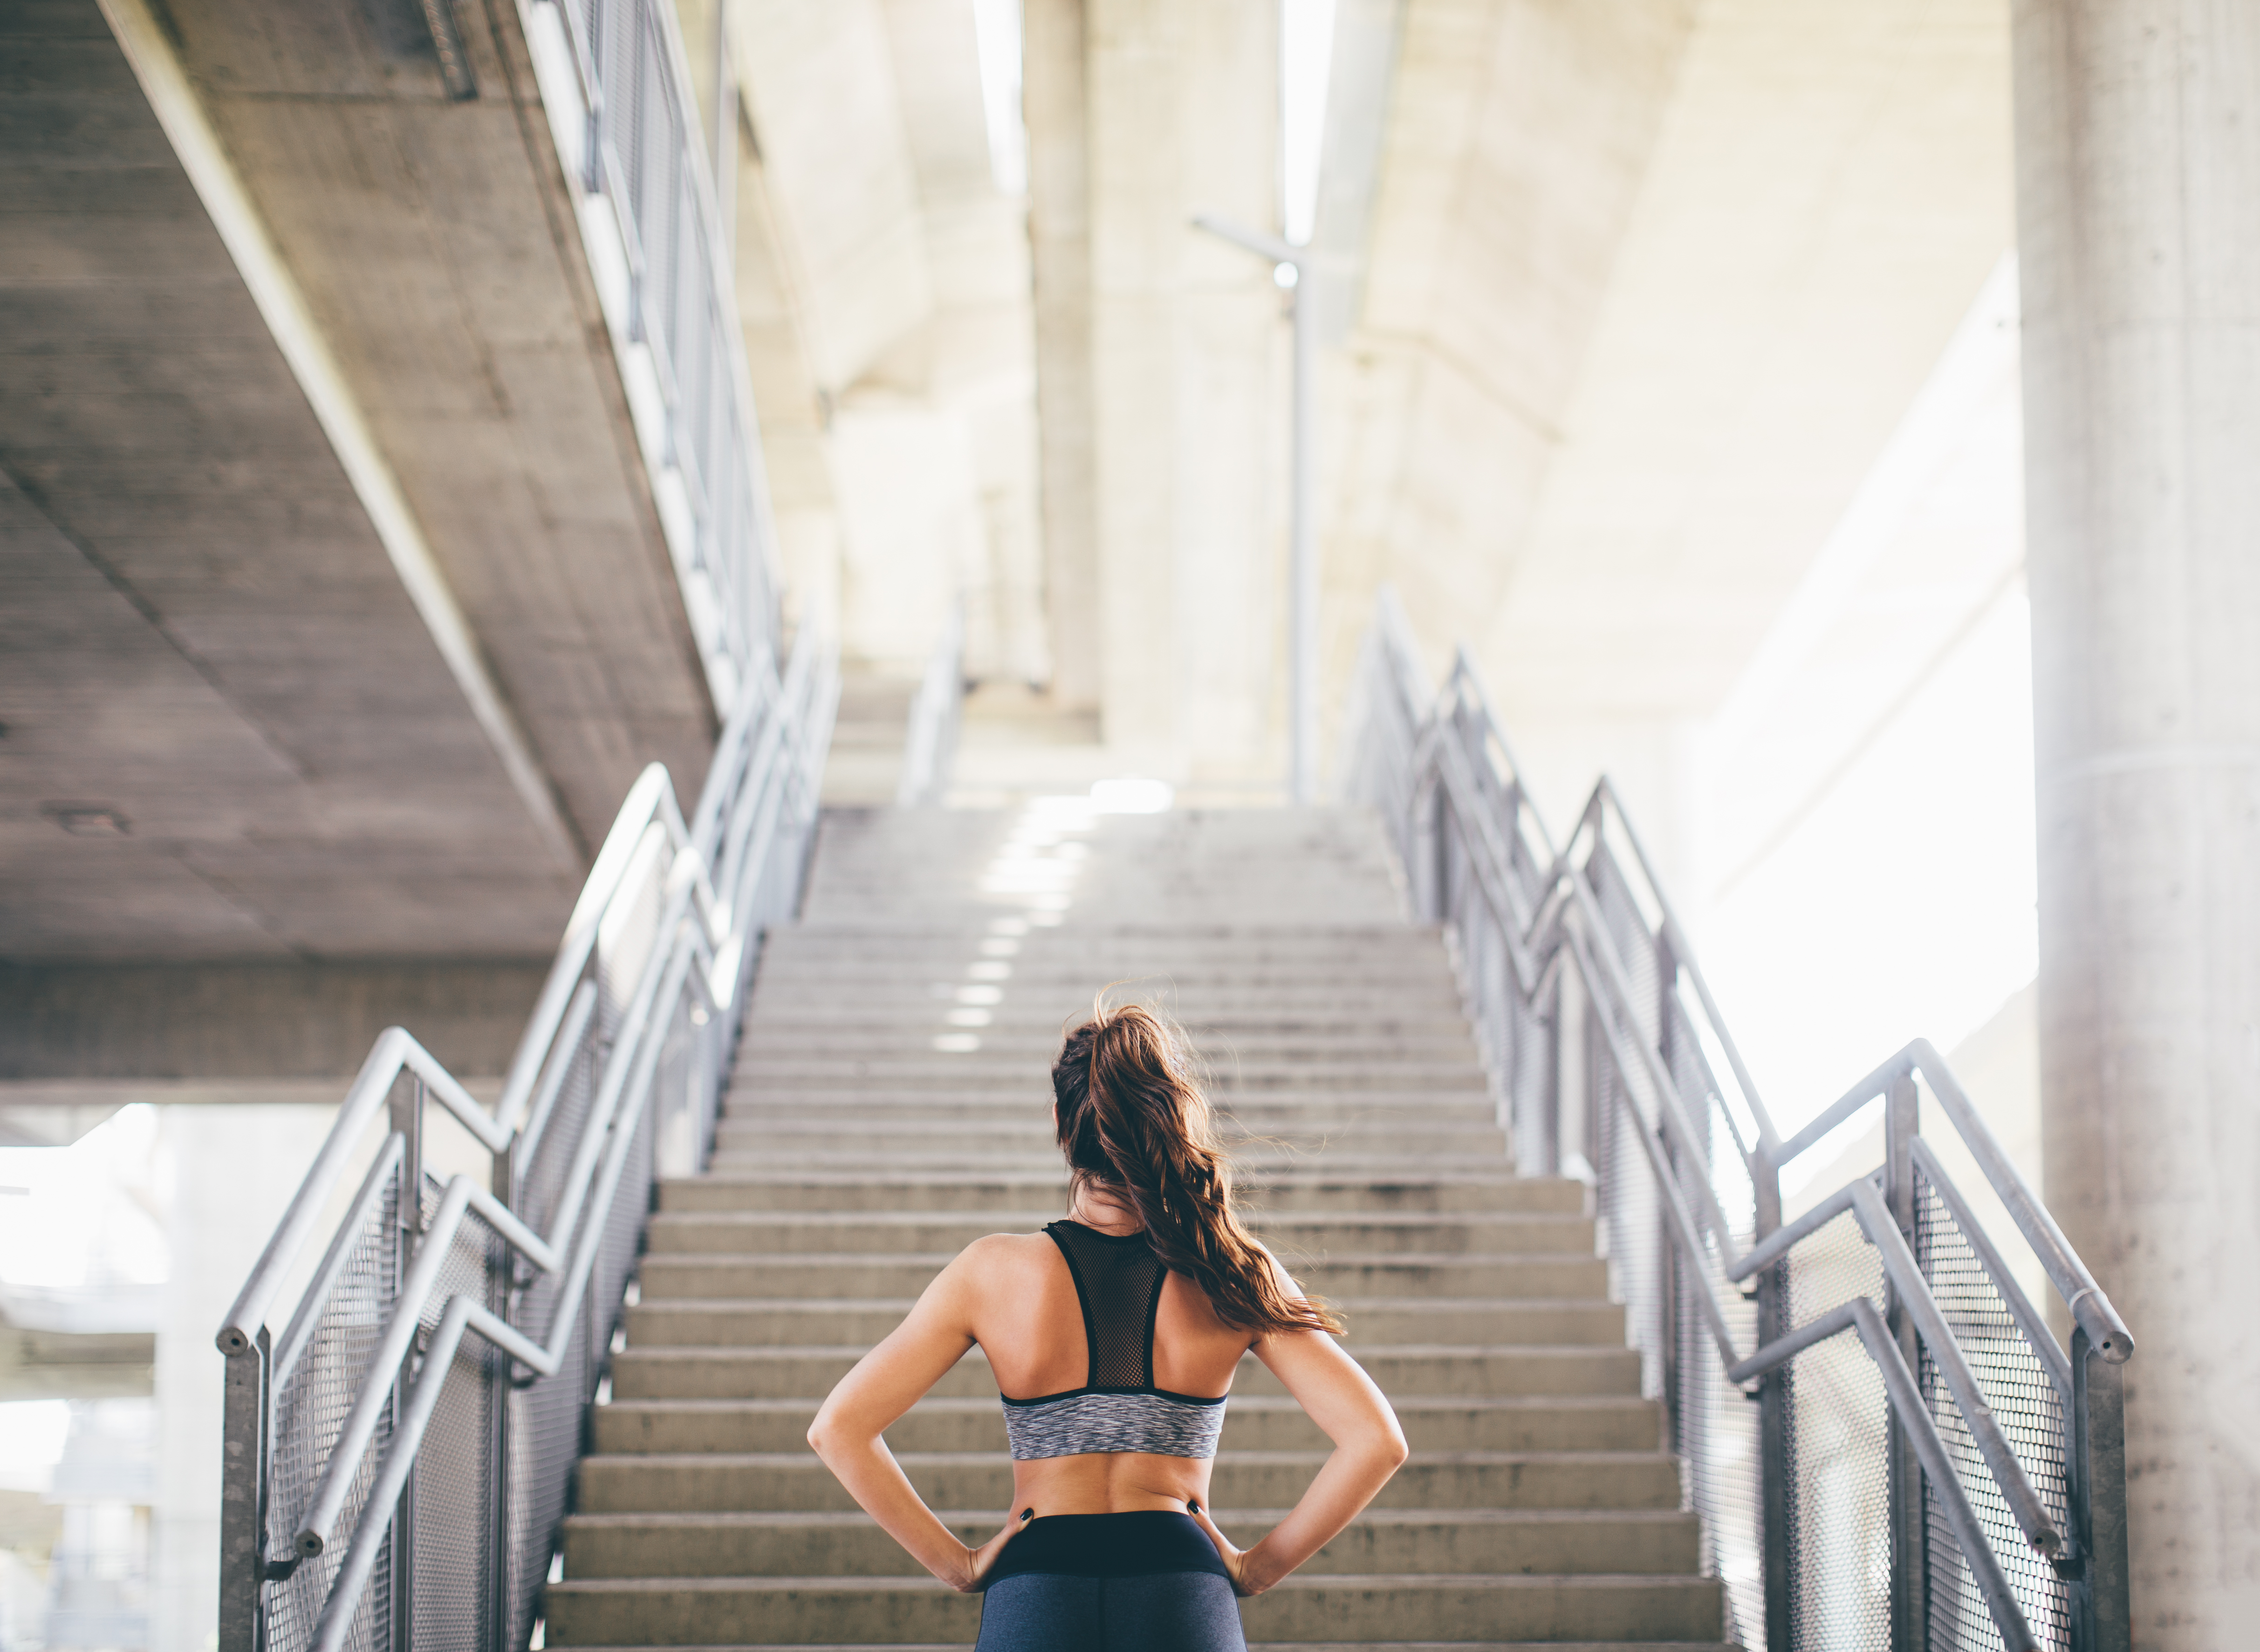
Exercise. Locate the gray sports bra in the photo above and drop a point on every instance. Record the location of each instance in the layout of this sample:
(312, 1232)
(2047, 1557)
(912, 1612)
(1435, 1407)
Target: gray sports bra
(1118, 1279)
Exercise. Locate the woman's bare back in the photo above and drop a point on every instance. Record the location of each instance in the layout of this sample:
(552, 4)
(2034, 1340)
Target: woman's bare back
(1028, 1321)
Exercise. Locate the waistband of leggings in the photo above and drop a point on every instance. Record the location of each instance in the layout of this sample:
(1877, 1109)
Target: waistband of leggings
(1138, 1543)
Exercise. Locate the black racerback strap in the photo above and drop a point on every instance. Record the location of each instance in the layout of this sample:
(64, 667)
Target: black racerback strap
(1118, 1279)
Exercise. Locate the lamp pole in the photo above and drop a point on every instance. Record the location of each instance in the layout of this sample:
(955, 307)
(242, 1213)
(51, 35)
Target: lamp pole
(1302, 525)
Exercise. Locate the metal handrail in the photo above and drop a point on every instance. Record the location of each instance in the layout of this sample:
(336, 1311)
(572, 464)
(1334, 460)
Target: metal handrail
(930, 741)
(1441, 775)
(615, 82)
(762, 779)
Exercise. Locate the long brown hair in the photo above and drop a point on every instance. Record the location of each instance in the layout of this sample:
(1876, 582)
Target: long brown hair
(1132, 1119)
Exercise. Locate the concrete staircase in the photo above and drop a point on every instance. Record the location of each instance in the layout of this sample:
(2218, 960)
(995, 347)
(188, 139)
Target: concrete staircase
(889, 1105)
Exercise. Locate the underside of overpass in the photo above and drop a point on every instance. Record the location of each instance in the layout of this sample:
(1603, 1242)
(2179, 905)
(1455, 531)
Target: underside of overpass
(239, 731)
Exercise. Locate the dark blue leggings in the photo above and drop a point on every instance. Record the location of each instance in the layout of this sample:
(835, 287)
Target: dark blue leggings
(1161, 1612)
(1148, 1581)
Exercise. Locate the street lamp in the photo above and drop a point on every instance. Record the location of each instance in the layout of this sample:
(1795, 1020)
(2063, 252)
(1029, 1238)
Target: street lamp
(1302, 556)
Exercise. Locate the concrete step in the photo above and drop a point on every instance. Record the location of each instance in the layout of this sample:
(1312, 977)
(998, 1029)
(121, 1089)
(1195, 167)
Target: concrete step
(1300, 1189)
(1048, 972)
(827, 1611)
(901, 1276)
(809, 944)
(1024, 1024)
(1029, 1111)
(1360, 1005)
(1255, 1422)
(738, 1137)
(851, 1545)
(721, 1482)
(1403, 1369)
(767, 1233)
(1268, 1646)
(1255, 1161)
(943, 1095)
(686, 1321)
(788, 1040)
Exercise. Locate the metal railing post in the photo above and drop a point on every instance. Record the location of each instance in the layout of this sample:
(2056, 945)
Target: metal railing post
(408, 1120)
(1774, 1418)
(243, 1497)
(502, 1266)
(1903, 1468)
(2100, 1619)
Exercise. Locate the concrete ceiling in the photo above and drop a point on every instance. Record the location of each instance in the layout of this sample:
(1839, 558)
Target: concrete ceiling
(1830, 189)
(1648, 290)
(229, 732)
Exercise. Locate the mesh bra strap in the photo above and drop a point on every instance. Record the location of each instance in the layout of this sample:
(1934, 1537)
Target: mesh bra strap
(1119, 1282)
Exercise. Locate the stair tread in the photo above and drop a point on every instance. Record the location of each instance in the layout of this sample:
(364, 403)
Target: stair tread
(802, 1460)
(1240, 1403)
(1302, 1581)
(850, 1519)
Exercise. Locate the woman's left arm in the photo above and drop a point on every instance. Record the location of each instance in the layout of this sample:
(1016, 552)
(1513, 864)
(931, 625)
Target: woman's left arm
(886, 1382)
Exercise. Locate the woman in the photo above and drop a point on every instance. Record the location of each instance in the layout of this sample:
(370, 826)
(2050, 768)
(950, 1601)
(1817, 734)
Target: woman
(1114, 1336)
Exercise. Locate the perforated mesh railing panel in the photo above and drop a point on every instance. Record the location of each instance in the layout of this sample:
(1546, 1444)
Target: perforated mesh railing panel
(451, 1570)
(1839, 1493)
(545, 1417)
(1715, 1423)
(310, 1412)
(2030, 1409)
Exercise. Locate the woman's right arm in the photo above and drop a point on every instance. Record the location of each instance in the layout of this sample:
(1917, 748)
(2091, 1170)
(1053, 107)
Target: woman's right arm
(1368, 1446)
(886, 1382)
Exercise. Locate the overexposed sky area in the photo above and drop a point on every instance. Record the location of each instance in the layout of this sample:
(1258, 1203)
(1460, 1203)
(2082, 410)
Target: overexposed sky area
(92, 1212)
(1902, 906)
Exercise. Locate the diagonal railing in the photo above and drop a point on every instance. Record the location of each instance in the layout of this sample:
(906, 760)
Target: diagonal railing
(409, 1364)
(1950, 1477)
(616, 86)
(930, 739)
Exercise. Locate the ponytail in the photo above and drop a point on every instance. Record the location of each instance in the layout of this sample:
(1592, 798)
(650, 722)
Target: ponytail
(1132, 1119)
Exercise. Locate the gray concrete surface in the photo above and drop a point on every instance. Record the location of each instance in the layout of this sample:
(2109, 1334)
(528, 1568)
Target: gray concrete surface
(228, 735)
(2138, 174)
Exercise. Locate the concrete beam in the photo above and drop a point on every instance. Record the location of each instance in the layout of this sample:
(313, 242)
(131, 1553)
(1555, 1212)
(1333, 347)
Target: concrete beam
(254, 1022)
(60, 1365)
(435, 241)
(283, 308)
(1056, 101)
(227, 732)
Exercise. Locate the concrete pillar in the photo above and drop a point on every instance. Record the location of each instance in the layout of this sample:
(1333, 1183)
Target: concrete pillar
(2138, 183)
(1190, 375)
(1056, 108)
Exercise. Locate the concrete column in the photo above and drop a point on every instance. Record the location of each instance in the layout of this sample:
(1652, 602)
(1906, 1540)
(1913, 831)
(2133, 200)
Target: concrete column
(1056, 109)
(2138, 183)
(1190, 375)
